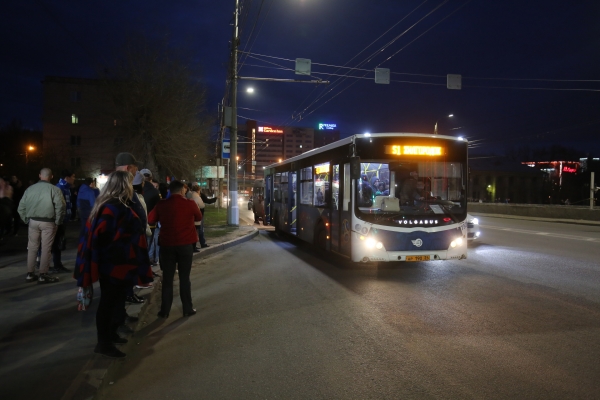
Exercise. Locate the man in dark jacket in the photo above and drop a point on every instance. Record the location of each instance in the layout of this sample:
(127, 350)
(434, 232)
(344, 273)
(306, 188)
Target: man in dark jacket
(86, 199)
(177, 238)
(64, 184)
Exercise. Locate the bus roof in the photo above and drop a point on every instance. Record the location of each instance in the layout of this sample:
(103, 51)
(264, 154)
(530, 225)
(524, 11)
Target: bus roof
(350, 139)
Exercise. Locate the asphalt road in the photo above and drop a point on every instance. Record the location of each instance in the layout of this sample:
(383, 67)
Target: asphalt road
(519, 319)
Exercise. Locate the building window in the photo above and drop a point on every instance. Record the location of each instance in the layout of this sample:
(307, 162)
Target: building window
(75, 96)
(75, 140)
(75, 161)
(74, 119)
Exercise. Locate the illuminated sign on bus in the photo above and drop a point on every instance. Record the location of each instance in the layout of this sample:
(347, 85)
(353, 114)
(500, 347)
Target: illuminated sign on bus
(268, 129)
(413, 150)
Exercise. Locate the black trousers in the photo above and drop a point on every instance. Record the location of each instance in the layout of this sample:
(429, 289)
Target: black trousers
(57, 245)
(110, 309)
(179, 257)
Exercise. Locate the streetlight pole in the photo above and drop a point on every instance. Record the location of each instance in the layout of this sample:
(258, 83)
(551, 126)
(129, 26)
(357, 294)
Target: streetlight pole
(233, 216)
(435, 128)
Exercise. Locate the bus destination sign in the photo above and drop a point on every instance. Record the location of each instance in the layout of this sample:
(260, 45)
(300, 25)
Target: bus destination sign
(414, 150)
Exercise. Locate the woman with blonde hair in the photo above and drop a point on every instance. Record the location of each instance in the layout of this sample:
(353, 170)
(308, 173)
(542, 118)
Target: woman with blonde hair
(113, 250)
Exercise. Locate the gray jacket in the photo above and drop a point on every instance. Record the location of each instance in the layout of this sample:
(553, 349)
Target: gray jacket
(43, 202)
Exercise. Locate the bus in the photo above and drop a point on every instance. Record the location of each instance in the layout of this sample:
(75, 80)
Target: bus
(377, 197)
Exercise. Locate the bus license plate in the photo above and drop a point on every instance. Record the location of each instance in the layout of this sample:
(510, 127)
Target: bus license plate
(417, 258)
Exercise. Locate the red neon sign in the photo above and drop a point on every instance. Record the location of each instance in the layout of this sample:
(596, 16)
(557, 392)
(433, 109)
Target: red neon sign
(569, 169)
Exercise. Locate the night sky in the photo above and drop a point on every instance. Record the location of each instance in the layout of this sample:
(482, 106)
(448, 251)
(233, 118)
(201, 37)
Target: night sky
(530, 69)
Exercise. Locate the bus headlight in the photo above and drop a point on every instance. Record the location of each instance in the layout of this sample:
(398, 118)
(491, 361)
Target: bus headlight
(371, 243)
(456, 242)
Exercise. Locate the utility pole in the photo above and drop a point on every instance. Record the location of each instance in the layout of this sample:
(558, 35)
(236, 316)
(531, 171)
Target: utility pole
(592, 190)
(233, 216)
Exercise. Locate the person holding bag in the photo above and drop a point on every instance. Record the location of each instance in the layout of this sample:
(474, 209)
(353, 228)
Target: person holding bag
(113, 250)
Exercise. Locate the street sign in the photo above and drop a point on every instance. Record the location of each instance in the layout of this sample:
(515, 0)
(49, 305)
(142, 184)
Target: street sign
(226, 148)
(302, 66)
(454, 81)
(382, 75)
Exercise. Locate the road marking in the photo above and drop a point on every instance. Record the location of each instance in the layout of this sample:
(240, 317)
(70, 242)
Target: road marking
(556, 235)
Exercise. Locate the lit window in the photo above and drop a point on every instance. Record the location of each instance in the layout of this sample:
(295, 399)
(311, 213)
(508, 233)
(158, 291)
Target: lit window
(74, 119)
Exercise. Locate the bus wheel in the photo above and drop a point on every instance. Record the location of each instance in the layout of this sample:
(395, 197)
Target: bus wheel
(321, 237)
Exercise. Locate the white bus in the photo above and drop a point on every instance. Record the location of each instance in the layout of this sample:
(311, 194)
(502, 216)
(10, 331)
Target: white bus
(375, 197)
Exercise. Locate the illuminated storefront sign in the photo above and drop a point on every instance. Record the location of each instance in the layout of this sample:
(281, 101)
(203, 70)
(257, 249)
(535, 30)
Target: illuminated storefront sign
(414, 150)
(569, 169)
(268, 129)
(322, 168)
(327, 126)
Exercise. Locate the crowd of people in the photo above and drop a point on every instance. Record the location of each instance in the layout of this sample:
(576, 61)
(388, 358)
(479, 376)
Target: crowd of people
(128, 226)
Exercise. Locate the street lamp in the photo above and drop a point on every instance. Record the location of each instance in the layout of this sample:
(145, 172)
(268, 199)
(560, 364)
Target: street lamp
(435, 128)
(27, 150)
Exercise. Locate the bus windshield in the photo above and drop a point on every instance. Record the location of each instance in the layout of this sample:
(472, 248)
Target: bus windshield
(392, 193)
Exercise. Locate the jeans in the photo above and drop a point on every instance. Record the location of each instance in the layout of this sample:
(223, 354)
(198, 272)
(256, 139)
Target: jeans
(57, 244)
(200, 232)
(179, 257)
(110, 309)
(153, 247)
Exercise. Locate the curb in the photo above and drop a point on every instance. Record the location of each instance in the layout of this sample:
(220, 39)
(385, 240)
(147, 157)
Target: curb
(207, 251)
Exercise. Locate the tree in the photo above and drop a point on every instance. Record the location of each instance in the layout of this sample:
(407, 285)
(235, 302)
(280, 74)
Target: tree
(159, 106)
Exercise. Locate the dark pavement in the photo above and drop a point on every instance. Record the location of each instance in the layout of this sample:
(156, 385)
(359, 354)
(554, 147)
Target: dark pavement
(46, 344)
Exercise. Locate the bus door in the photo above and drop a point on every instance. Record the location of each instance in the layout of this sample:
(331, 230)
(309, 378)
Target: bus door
(267, 198)
(335, 208)
(345, 209)
(293, 201)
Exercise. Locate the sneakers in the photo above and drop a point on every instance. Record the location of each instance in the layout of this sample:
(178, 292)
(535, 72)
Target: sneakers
(134, 299)
(31, 277)
(205, 246)
(59, 268)
(109, 351)
(45, 278)
(119, 340)
(124, 329)
(145, 286)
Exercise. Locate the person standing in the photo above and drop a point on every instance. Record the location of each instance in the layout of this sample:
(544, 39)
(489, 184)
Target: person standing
(18, 191)
(64, 184)
(43, 208)
(86, 199)
(195, 195)
(151, 197)
(258, 208)
(177, 237)
(113, 250)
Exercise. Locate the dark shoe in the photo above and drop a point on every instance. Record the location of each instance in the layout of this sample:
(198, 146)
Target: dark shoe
(119, 340)
(204, 246)
(162, 315)
(31, 277)
(61, 268)
(134, 299)
(45, 278)
(190, 313)
(125, 329)
(109, 351)
(145, 286)
(132, 319)
(155, 275)
(53, 270)
(196, 250)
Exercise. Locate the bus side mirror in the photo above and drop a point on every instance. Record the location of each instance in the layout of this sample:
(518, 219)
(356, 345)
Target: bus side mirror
(354, 167)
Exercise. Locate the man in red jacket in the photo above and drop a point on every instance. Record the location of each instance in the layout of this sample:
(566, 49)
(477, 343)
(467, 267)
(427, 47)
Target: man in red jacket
(176, 239)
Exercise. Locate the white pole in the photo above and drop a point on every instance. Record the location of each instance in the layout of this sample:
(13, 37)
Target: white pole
(592, 191)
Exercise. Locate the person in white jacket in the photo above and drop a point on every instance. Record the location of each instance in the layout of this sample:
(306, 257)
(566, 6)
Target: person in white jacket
(199, 224)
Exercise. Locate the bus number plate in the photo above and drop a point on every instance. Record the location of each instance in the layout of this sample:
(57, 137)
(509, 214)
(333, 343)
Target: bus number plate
(417, 258)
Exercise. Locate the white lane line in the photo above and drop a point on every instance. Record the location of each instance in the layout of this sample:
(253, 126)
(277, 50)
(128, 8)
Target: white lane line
(556, 235)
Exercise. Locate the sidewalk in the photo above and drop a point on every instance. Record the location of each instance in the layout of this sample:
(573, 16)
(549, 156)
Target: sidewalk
(46, 345)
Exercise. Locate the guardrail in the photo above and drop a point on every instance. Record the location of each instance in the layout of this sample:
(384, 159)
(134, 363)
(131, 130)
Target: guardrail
(546, 211)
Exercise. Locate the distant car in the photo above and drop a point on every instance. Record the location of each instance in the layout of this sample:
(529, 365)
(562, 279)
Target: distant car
(473, 232)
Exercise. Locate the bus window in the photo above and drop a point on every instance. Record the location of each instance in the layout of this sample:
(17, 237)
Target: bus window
(306, 186)
(321, 184)
(335, 194)
(347, 187)
(277, 188)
